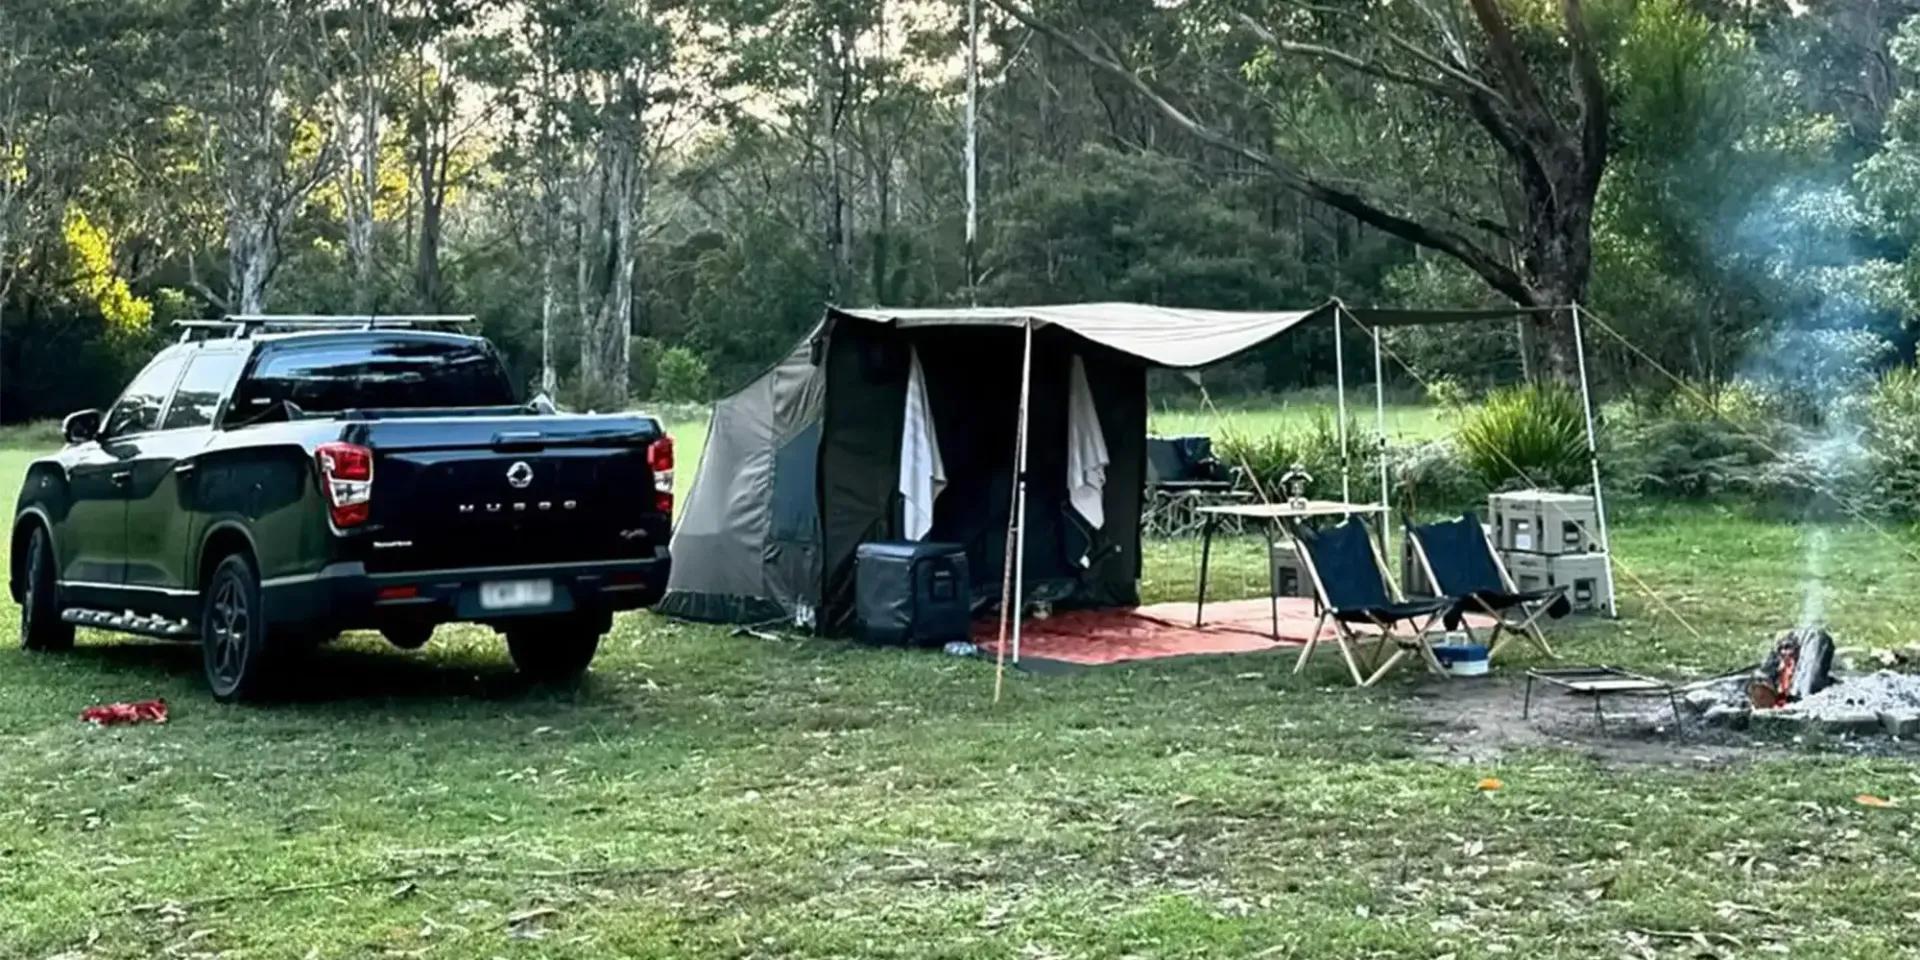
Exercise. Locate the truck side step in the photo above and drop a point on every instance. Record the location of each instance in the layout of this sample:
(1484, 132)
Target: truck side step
(152, 625)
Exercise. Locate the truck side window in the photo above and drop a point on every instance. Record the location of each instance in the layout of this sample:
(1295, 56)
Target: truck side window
(138, 409)
(196, 402)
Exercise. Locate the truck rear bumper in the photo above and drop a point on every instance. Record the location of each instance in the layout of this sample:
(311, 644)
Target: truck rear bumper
(345, 596)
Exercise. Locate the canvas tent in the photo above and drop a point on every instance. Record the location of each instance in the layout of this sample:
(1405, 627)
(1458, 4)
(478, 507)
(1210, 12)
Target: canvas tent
(888, 423)
(805, 463)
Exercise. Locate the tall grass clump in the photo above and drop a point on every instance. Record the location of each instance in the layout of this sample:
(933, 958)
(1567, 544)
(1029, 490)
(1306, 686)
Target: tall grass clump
(1532, 434)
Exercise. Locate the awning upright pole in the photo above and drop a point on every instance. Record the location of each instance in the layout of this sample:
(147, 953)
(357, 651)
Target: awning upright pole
(1020, 493)
(1380, 434)
(1011, 577)
(1593, 456)
(1340, 402)
(973, 148)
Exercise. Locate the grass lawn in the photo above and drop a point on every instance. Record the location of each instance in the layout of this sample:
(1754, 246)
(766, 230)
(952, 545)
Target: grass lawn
(1405, 422)
(714, 795)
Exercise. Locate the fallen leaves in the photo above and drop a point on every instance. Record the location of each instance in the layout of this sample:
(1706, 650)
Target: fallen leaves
(1869, 800)
(1489, 784)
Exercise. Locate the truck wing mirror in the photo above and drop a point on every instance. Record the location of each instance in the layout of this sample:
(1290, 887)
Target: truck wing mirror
(81, 427)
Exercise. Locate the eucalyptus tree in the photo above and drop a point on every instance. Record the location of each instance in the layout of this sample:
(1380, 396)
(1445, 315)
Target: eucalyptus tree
(1439, 93)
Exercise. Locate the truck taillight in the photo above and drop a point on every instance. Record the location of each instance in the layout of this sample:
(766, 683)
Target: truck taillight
(660, 461)
(346, 479)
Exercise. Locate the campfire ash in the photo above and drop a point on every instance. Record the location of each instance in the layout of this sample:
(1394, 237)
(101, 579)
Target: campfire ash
(1795, 684)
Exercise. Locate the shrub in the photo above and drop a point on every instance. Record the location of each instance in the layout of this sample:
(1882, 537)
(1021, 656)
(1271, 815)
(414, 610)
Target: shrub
(1431, 478)
(680, 376)
(1315, 446)
(1533, 434)
(1893, 440)
(1671, 454)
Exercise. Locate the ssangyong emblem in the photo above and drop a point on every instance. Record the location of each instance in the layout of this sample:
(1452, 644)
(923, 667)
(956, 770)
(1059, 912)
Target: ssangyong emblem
(520, 475)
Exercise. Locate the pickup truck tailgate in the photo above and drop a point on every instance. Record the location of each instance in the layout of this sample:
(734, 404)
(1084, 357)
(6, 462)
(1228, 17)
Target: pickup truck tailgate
(513, 498)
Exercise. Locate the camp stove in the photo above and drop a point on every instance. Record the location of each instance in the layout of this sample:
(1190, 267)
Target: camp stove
(1800, 665)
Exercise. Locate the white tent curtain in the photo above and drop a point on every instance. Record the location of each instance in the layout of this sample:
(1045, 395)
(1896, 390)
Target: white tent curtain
(922, 473)
(1086, 450)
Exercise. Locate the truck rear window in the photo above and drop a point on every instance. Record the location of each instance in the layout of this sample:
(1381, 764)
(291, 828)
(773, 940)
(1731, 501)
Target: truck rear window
(375, 373)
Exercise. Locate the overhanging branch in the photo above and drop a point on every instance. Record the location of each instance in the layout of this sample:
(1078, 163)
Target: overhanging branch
(1490, 268)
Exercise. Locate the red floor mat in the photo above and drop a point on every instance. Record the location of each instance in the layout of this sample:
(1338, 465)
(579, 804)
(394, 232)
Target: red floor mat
(1094, 637)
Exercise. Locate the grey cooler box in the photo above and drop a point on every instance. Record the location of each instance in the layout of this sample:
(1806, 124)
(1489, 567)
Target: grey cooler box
(912, 593)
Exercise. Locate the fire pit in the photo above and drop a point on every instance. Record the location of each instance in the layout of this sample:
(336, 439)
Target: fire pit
(1796, 686)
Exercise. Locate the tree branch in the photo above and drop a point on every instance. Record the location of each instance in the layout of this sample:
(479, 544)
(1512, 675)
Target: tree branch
(1591, 89)
(1496, 273)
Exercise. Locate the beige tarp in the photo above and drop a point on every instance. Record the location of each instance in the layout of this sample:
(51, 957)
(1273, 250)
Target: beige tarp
(1166, 336)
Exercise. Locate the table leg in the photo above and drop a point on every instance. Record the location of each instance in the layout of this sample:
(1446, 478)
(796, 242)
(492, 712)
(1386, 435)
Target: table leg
(1273, 586)
(1206, 554)
(1526, 706)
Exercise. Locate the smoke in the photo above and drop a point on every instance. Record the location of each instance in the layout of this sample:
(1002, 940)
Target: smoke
(1813, 581)
(1804, 246)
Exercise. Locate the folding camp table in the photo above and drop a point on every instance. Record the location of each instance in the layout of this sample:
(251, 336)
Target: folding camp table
(1274, 514)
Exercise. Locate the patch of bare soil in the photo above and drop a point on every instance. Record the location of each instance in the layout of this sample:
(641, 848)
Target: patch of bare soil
(1478, 720)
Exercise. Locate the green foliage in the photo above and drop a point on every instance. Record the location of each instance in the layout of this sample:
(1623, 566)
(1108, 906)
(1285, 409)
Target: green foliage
(1689, 457)
(1532, 435)
(1893, 441)
(1266, 456)
(1432, 477)
(680, 376)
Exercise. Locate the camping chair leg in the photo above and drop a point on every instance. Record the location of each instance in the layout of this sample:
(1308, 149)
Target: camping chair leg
(1530, 628)
(1426, 649)
(1540, 640)
(1382, 671)
(1313, 640)
(1342, 636)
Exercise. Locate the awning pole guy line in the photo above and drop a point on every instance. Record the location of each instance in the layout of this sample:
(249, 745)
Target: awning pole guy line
(1593, 456)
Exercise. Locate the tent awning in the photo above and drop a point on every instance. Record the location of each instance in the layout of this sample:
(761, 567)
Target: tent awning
(1170, 336)
(1167, 336)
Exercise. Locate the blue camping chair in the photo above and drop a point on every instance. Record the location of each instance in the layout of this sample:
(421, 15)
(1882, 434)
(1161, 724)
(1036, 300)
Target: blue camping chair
(1352, 583)
(1460, 562)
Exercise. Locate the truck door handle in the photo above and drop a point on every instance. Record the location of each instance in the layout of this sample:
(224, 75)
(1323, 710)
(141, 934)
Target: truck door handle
(122, 477)
(183, 468)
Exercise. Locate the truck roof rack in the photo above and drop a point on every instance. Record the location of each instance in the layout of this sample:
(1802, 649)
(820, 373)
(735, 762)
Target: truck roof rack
(241, 326)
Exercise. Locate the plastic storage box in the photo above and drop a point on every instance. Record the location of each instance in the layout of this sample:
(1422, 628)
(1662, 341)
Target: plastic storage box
(1290, 577)
(1583, 574)
(1538, 521)
(911, 593)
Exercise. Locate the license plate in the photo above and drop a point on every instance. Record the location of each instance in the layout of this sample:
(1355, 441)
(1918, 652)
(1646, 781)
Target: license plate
(508, 594)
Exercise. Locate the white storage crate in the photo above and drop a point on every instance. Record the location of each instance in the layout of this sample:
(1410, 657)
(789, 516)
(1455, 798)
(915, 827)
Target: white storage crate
(1584, 575)
(1538, 521)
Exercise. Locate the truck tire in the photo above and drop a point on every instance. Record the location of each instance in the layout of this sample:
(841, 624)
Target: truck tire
(233, 633)
(408, 636)
(554, 650)
(40, 625)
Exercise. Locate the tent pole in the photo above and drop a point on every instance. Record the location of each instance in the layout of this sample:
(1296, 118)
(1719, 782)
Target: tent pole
(1380, 433)
(1340, 403)
(1011, 575)
(972, 146)
(1593, 455)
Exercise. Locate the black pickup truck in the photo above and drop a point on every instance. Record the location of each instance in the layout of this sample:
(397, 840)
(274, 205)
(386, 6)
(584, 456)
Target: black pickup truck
(269, 482)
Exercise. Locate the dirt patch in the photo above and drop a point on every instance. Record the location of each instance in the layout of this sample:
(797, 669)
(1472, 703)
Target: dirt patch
(1479, 720)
